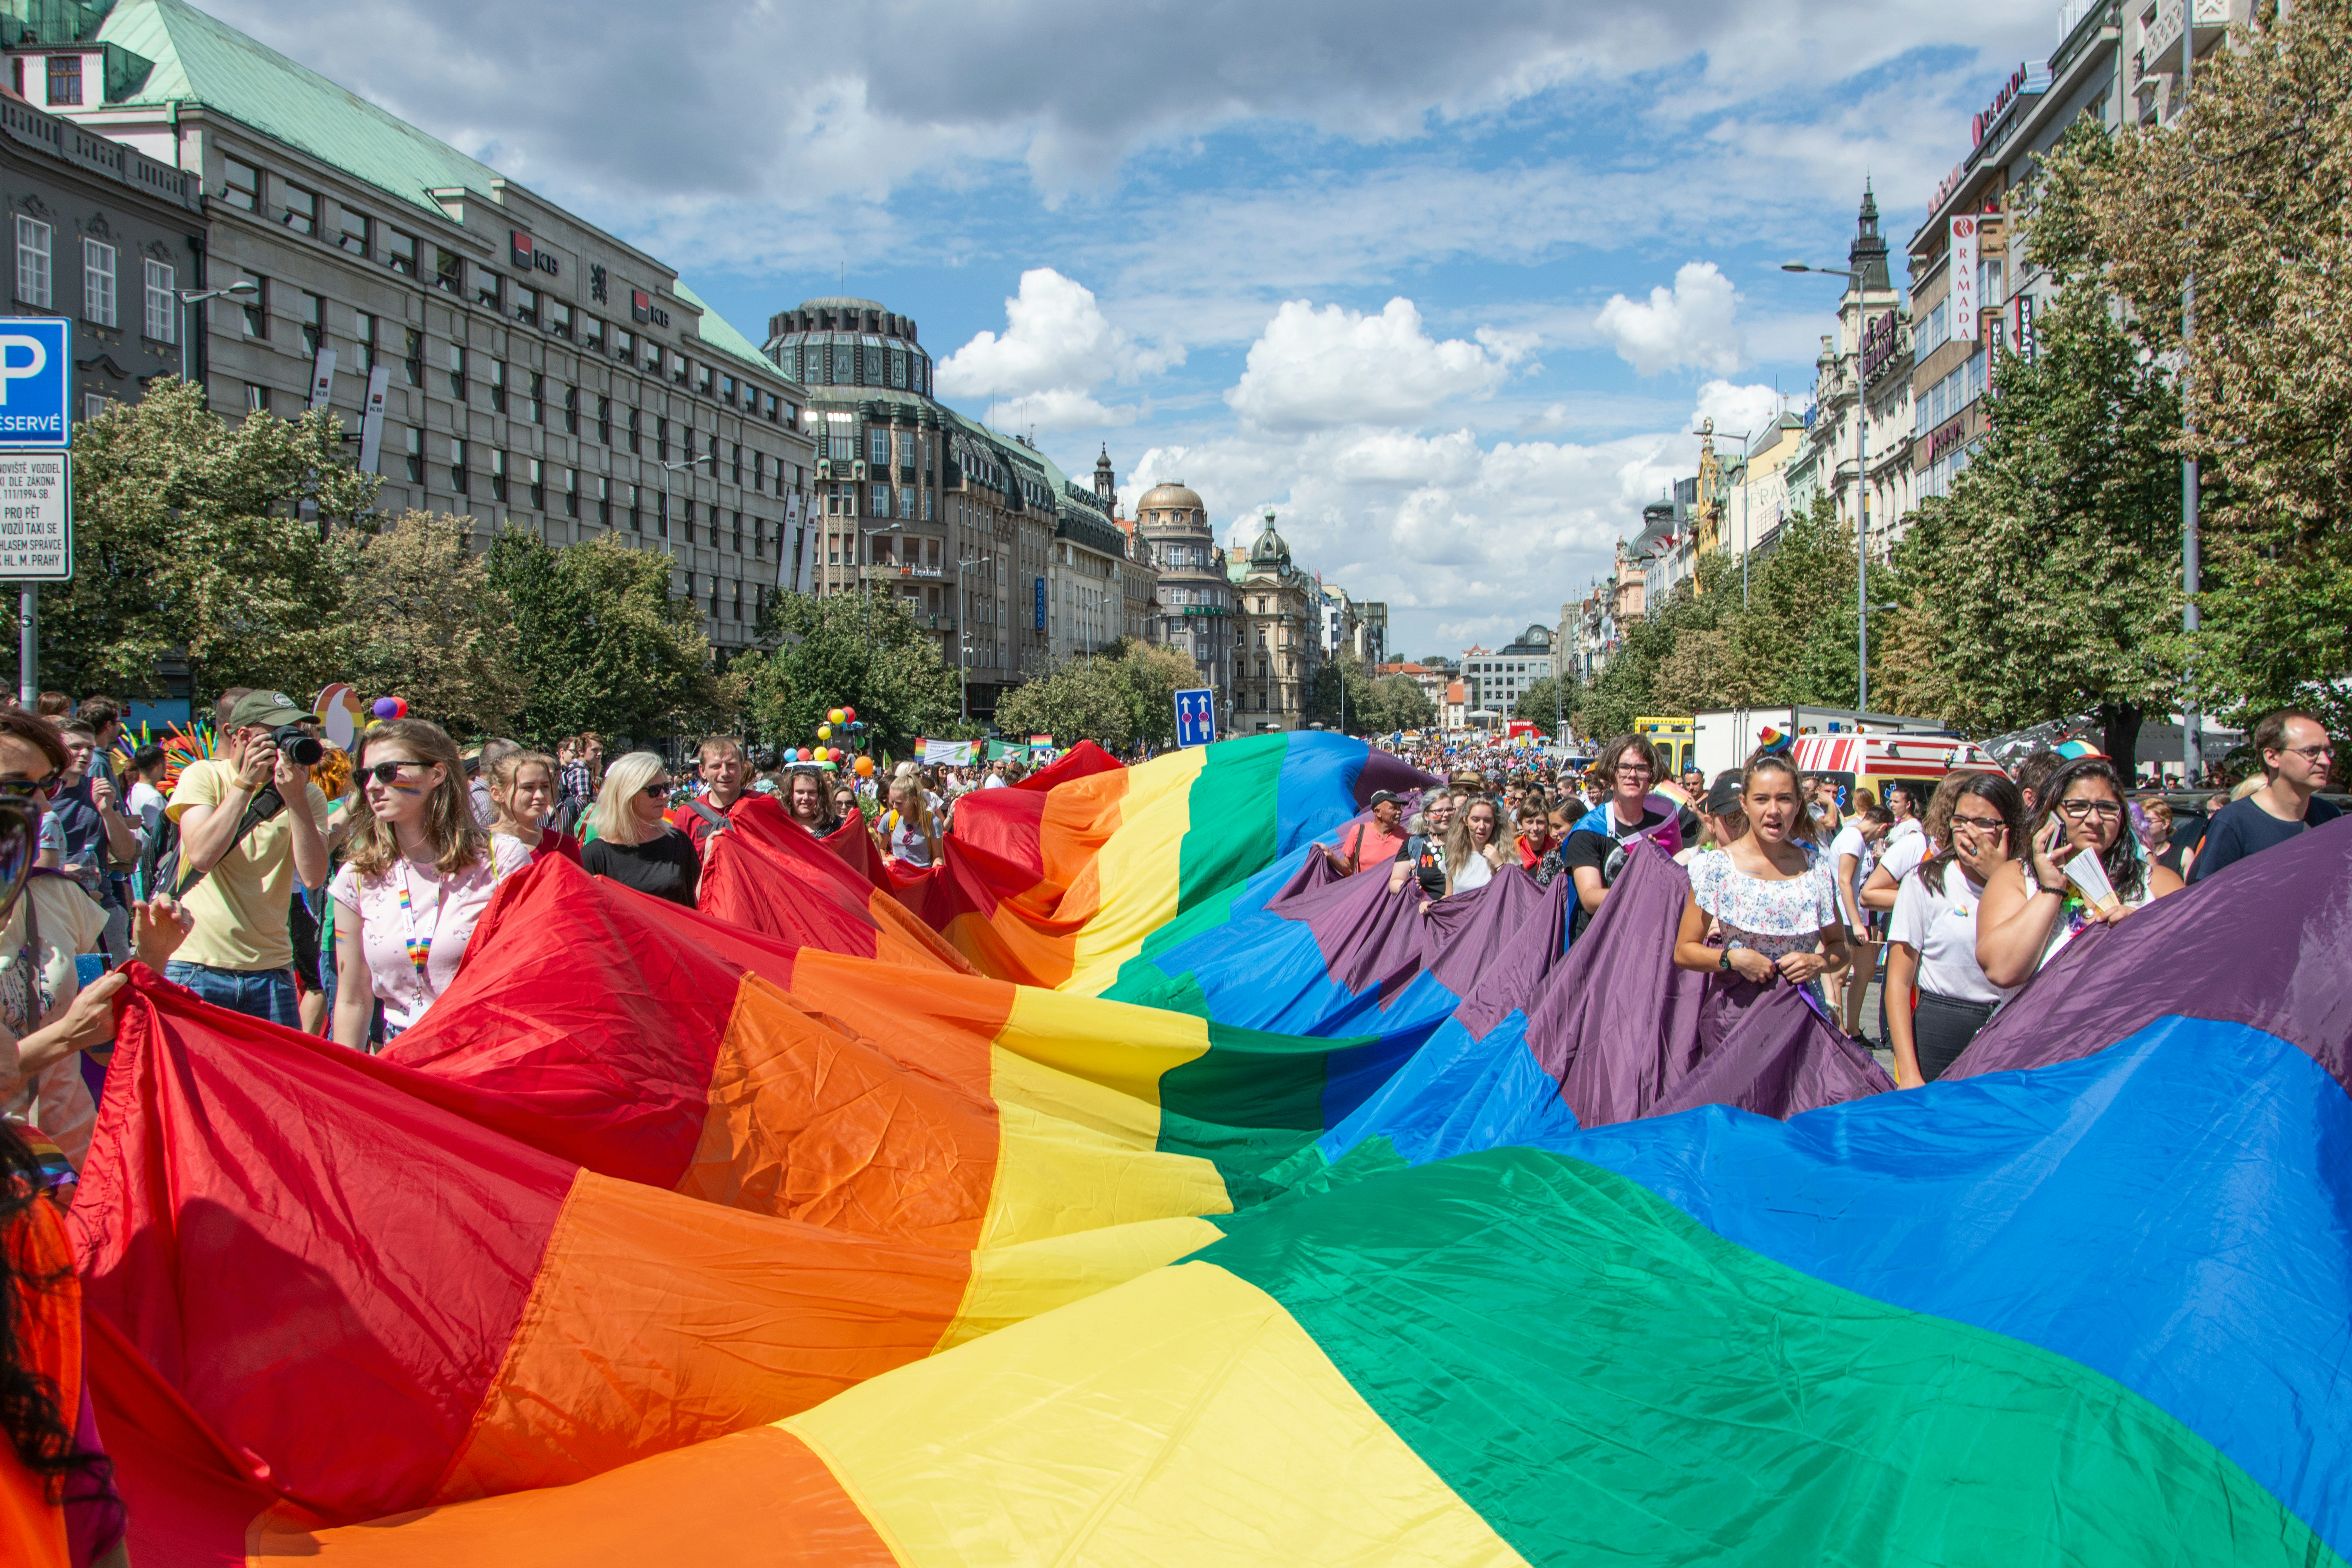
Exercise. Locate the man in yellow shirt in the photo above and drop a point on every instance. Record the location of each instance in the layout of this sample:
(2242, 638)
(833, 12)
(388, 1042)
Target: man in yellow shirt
(239, 955)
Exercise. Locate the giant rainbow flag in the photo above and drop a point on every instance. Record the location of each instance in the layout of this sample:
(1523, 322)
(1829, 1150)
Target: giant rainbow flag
(670, 1237)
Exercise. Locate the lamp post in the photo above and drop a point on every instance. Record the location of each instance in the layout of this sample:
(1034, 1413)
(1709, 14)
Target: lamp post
(1743, 437)
(2193, 722)
(964, 645)
(1852, 275)
(244, 287)
(865, 576)
(667, 469)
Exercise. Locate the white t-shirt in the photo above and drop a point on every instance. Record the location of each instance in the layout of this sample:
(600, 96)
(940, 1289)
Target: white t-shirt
(1850, 841)
(146, 805)
(1475, 872)
(1939, 923)
(1900, 855)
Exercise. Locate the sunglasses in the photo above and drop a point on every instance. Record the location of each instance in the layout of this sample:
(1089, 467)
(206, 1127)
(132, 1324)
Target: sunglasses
(659, 787)
(387, 772)
(28, 786)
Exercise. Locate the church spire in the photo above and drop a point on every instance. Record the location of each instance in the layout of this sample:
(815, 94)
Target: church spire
(1868, 254)
(1105, 483)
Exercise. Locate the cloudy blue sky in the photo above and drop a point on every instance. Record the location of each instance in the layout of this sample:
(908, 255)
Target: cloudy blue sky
(1443, 288)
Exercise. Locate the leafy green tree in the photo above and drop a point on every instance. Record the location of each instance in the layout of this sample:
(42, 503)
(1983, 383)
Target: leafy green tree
(1154, 675)
(1083, 700)
(2047, 583)
(1401, 704)
(2245, 192)
(191, 533)
(602, 643)
(845, 651)
(1349, 675)
(422, 619)
(1549, 702)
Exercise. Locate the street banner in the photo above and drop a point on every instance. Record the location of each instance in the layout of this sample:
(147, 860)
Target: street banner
(372, 420)
(1964, 280)
(323, 377)
(952, 753)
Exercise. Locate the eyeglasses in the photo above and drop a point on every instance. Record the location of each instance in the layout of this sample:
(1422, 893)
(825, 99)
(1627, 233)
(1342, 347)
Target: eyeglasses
(658, 787)
(1634, 771)
(2312, 752)
(386, 772)
(2082, 810)
(1981, 824)
(29, 786)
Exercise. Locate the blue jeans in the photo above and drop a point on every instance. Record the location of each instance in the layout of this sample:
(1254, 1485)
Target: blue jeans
(266, 994)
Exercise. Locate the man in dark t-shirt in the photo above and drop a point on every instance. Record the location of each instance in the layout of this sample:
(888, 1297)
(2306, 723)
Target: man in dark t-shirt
(2297, 755)
(1593, 856)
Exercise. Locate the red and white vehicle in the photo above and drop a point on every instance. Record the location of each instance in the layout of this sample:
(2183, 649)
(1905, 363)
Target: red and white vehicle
(1873, 761)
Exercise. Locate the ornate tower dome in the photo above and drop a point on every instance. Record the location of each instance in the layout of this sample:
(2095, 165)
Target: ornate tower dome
(1271, 550)
(1171, 503)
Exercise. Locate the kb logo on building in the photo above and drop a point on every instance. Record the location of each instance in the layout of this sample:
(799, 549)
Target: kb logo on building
(35, 376)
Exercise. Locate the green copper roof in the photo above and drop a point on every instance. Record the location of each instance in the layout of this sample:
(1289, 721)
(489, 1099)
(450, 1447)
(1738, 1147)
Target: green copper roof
(718, 332)
(204, 60)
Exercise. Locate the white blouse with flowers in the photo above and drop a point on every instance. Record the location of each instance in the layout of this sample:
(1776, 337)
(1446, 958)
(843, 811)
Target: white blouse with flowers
(1773, 918)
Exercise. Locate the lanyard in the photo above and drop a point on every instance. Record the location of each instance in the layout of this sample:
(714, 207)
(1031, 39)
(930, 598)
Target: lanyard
(420, 949)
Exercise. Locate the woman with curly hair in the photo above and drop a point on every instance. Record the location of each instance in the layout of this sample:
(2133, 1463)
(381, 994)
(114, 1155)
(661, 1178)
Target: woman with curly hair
(2032, 908)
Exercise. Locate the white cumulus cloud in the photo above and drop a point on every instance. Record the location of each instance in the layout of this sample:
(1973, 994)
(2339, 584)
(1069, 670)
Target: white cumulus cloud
(1690, 324)
(1734, 408)
(1315, 369)
(1058, 346)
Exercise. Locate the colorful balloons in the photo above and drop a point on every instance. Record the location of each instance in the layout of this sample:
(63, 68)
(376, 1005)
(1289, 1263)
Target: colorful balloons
(391, 707)
(805, 754)
(825, 731)
(835, 716)
(849, 713)
(866, 767)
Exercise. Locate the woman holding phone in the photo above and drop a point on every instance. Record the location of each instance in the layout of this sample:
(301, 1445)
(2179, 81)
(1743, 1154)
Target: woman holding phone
(2033, 912)
(1932, 940)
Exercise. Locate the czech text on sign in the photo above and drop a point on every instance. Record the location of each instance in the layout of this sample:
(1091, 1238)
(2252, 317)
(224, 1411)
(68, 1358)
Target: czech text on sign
(1196, 716)
(36, 512)
(35, 371)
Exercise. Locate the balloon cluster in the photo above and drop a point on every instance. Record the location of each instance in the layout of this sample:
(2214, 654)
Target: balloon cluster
(841, 723)
(390, 708)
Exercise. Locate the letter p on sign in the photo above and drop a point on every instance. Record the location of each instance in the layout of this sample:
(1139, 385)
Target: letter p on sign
(21, 359)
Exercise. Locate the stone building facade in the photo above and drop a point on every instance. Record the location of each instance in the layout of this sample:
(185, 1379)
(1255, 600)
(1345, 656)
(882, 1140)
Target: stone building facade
(536, 371)
(1278, 613)
(1196, 597)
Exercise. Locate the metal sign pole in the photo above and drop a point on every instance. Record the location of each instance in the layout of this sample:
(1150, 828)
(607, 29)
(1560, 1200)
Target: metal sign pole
(28, 610)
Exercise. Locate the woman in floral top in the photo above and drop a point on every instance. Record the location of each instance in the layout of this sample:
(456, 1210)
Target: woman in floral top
(1772, 905)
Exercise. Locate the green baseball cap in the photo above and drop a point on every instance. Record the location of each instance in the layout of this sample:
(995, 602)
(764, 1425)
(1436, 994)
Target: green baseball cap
(265, 708)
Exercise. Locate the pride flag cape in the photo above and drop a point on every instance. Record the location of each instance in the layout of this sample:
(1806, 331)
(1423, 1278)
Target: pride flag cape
(1061, 880)
(2087, 1312)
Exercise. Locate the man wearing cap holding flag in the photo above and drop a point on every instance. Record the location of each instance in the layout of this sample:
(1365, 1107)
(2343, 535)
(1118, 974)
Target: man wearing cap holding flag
(249, 823)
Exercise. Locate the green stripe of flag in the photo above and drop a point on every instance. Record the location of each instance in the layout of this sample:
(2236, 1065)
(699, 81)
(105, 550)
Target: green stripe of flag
(1607, 1381)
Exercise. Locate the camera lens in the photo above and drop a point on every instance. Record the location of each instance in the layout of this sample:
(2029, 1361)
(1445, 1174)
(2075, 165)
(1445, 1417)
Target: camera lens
(302, 751)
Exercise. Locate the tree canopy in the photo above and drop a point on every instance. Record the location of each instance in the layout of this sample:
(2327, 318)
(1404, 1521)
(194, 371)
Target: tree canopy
(844, 650)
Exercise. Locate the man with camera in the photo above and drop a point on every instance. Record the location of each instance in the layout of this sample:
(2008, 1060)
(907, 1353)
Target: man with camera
(250, 822)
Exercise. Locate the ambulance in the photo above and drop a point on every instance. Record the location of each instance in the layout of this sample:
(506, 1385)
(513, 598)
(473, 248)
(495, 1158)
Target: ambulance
(1873, 761)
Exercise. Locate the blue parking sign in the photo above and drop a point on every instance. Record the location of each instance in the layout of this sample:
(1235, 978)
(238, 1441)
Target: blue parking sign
(1196, 716)
(35, 382)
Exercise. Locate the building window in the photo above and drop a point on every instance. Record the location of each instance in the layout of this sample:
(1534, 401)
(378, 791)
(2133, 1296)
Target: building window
(256, 399)
(162, 301)
(571, 411)
(400, 251)
(32, 261)
(97, 282)
(877, 447)
(413, 355)
(559, 318)
(758, 470)
(301, 213)
(448, 271)
(739, 598)
(571, 492)
(416, 456)
(758, 538)
(906, 501)
(498, 379)
(625, 345)
(362, 342)
(537, 411)
(256, 309)
(771, 411)
(604, 501)
(636, 433)
(726, 389)
(457, 372)
(604, 420)
(490, 290)
(240, 185)
(536, 477)
(498, 474)
(65, 79)
(314, 323)
(653, 360)
(881, 499)
(661, 441)
(526, 305)
(458, 466)
(739, 459)
(355, 237)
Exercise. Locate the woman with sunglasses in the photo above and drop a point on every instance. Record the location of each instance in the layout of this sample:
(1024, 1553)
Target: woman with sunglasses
(419, 875)
(635, 844)
(1932, 940)
(2031, 912)
(523, 788)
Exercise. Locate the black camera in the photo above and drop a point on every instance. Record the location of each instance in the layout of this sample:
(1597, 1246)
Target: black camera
(303, 750)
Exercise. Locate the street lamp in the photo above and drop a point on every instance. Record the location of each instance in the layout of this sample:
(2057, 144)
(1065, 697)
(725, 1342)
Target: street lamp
(244, 287)
(963, 645)
(667, 469)
(1852, 273)
(1743, 437)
